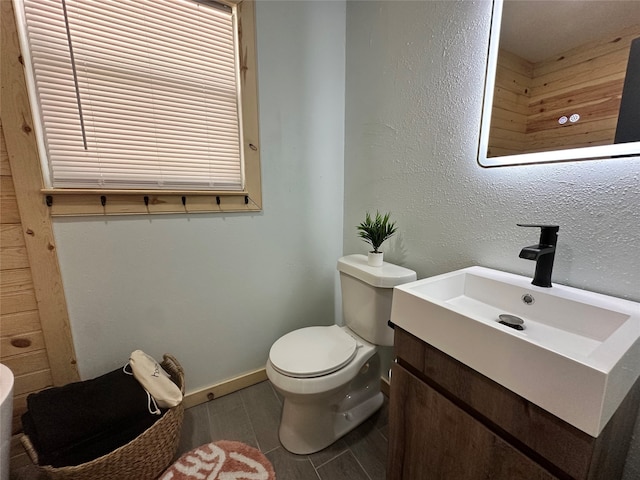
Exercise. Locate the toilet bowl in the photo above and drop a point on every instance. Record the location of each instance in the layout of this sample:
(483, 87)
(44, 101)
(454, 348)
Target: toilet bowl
(319, 410)
(329, 376)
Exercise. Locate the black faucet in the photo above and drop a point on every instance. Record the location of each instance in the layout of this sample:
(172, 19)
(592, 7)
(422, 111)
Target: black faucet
(543, 253)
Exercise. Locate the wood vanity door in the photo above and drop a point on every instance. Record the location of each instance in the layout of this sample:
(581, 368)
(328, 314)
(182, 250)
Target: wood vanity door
(430, 438)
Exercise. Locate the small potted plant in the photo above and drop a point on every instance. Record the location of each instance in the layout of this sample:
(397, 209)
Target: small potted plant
(375, 231)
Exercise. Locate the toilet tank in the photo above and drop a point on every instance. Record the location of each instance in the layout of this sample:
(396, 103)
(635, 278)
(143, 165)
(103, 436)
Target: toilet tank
(366, 296)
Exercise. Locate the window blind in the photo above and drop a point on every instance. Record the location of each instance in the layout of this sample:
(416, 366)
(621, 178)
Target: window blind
(137, 94)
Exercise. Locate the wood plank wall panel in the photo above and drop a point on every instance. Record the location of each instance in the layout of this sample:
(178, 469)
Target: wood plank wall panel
(22, 345)
(586, 80)
(32, 304)
(583, 53)
(8, 204)
(26, 173)
(510, 105)
(5, 169)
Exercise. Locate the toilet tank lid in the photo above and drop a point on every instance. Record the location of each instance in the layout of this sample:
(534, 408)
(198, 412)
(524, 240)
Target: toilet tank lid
(386, 276)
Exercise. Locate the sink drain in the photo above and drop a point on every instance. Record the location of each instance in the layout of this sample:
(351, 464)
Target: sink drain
(528, 299)
(511, 321)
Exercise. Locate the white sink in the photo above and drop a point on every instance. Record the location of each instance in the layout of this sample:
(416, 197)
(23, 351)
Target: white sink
(577, 358)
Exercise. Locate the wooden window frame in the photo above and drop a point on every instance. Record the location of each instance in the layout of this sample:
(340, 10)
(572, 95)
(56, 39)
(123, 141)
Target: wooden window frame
(78, 202)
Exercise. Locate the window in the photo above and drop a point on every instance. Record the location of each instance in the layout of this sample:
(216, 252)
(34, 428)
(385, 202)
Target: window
(150, 105)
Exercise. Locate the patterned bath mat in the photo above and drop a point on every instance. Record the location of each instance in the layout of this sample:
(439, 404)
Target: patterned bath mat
(223, 460)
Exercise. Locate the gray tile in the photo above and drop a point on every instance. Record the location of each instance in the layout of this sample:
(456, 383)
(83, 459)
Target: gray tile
(369, 447)
(343, 467)
(229, 421)
(195, 428)
(385, 431)
(278, 395)
(381, 417)
(329, 453)
(292, 467)
(252, 416)
(264, 411)
(226, 405)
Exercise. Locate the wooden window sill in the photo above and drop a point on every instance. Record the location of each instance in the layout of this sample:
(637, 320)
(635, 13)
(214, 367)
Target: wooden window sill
(78, 202)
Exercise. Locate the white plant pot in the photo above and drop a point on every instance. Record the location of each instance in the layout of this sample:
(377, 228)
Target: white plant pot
(375, 259)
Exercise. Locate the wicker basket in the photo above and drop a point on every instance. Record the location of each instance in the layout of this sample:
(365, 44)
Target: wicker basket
(143, 458)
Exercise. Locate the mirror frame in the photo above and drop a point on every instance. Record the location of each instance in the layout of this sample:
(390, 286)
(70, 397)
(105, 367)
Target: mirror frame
(629, 149)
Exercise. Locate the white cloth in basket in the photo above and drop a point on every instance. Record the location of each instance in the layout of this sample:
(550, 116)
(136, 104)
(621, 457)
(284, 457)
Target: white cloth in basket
(154, 379)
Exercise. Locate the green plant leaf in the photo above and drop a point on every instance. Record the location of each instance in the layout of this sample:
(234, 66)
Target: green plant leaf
(376, 231)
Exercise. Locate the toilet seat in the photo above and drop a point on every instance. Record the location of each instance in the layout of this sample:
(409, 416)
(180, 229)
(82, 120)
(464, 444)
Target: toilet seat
(313, 351)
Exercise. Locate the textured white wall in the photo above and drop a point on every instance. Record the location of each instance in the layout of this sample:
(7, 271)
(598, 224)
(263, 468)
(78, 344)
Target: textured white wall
(218, 290)
(413, 103)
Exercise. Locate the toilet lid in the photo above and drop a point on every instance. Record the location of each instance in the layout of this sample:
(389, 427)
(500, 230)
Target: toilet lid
(312, 351)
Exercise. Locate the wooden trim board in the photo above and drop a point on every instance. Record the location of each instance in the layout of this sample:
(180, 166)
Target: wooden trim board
(385, 386)
(24, 162)
(224, 388)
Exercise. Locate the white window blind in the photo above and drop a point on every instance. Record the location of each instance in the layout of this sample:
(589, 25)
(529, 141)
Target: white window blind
(139, 94)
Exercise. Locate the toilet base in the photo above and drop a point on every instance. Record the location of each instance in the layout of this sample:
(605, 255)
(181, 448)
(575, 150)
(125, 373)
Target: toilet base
(295, 441)
(312, 422)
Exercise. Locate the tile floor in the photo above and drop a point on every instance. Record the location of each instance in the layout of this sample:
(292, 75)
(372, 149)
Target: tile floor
(252, 416)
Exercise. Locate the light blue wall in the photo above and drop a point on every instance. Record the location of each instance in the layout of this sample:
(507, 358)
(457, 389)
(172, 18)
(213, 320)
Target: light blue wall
(218, 290)
(415, 75)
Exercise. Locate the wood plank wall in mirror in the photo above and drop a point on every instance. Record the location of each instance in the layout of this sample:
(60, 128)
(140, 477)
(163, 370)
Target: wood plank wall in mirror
(536, 104)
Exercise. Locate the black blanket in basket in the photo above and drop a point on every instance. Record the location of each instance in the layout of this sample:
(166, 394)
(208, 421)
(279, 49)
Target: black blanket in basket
(69, 424)
(90, 448)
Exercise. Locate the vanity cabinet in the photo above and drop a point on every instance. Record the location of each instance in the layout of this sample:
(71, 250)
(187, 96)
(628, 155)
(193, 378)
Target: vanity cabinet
(435, 439)
(446, 421)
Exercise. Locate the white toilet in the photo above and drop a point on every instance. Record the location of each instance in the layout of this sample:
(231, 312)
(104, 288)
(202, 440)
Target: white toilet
(330, 376)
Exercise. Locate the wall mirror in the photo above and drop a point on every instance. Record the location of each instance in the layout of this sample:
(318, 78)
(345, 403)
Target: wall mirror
(563, 82)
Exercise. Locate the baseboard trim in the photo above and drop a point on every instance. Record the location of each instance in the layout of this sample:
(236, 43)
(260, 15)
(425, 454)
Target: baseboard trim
(385, 386)
(224, 388)
(243, 381)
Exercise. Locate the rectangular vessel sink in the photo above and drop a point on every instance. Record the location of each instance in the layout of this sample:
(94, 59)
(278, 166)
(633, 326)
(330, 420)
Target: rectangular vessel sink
(577, 357)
